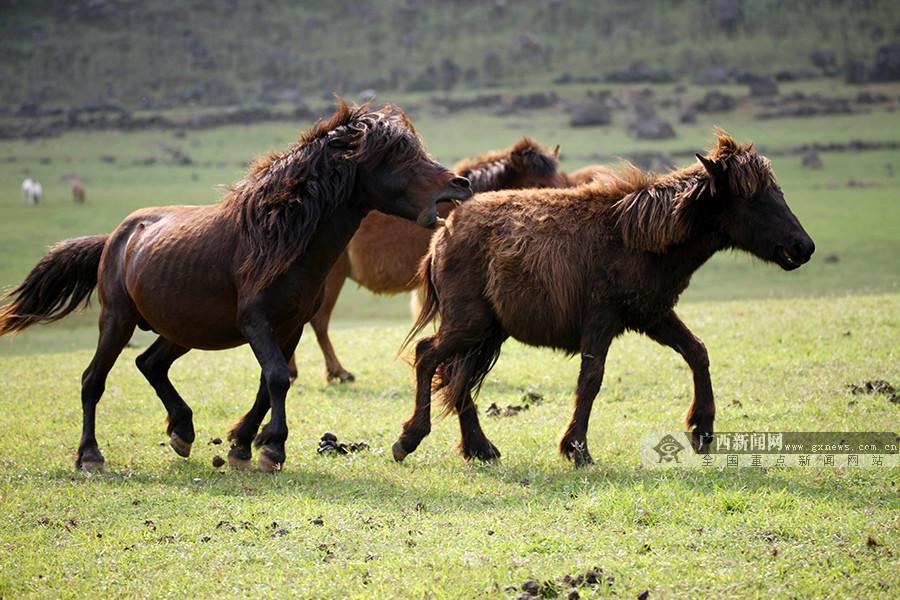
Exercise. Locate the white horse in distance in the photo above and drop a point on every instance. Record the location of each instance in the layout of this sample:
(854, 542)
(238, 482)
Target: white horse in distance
(32, 191)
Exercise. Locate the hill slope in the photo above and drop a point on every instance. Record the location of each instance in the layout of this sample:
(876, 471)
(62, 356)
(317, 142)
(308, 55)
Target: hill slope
(168, 53)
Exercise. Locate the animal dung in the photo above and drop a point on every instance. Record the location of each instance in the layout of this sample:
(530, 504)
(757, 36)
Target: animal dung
(495, 411)
(329, 444)
(218, 461)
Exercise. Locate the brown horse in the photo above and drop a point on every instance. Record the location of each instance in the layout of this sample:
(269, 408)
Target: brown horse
(573, 269)
(248, 270)
(384, 254)
(77, 191)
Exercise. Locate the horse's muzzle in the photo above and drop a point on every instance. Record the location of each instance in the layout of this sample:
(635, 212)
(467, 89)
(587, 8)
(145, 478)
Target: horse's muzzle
(429, 218)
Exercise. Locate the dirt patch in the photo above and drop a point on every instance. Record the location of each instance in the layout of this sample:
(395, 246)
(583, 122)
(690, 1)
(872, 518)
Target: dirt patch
(875, 386)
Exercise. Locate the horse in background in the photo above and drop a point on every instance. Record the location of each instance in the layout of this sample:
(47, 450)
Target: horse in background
(384, 254)
(249, 270)
(32, 191)
(573, 269)
(77, 191)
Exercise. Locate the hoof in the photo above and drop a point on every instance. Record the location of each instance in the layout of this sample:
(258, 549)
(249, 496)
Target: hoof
(398, 451)
(239, 458)
(90, 460)
(487, 453)
(577, 452)
(267, 464)
(239, 464)
(701, 441)
(341, 376)
(181, 447)
(95, 466)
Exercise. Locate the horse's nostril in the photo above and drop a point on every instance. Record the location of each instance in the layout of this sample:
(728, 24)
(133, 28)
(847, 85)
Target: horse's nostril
(803, 248)
(460, 182)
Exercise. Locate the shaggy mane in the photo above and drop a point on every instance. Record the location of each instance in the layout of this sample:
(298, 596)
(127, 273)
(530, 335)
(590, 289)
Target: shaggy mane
(285, 195)
(655, 211)
(490, 171)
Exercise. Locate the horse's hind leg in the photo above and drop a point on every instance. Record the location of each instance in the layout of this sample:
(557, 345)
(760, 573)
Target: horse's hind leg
(116, 327)
(461, 375)
(334, 370)
(438, 351)
(154, 363)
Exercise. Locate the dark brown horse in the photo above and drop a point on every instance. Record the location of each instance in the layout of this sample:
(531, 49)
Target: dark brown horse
(573, 269)
(384, 254)
(248, 270)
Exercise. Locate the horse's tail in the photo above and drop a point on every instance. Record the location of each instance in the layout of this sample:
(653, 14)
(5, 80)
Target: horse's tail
(61, 281)
(430, 305)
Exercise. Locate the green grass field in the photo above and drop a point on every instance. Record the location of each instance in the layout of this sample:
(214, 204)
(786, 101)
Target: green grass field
(783, 348)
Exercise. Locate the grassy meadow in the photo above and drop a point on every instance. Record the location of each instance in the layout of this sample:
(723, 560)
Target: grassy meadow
(783, 348)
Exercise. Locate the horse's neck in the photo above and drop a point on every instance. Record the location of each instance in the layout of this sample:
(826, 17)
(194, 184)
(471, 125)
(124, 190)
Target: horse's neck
(331, 238)
(682, 260)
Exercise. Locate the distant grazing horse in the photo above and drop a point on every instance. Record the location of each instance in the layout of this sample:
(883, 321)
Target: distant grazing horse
(383, 255)
(77, 191)
(573, 269)
(250, 269)
(32, 191)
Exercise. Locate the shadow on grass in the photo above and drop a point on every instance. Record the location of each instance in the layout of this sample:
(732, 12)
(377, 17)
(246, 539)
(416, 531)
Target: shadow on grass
(541, 484)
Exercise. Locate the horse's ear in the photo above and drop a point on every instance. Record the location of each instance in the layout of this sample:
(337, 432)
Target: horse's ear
(556, 151)
(716, 172)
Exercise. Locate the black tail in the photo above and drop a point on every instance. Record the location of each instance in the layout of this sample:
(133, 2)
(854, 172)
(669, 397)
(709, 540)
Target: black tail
(466, 372)
(60, 282)
(430, 305)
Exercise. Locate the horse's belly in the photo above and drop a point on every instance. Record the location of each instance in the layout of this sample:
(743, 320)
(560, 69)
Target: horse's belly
(182, 290)
(534, 321)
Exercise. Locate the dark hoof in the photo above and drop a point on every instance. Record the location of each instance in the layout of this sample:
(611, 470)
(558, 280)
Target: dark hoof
(577, 452)
(701, 441)
(239, 464)
(239, 458)
(181, 447)
(486, 453)
(342, 376)
(270, 460)
(90, 460)
(398, 451)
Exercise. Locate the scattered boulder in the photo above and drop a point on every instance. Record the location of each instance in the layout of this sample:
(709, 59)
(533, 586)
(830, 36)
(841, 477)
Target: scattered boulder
(535, 100)
(715, 75)
(858, 72)
(812, 160)
(715, 101)
(589, 114)
(824, 59)
(887, 63)
(653, 128)
(763, 86)
(640, 72)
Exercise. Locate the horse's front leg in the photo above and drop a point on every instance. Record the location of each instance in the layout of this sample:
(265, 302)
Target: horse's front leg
(573, 444)
(272, 357)
(702, 411)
